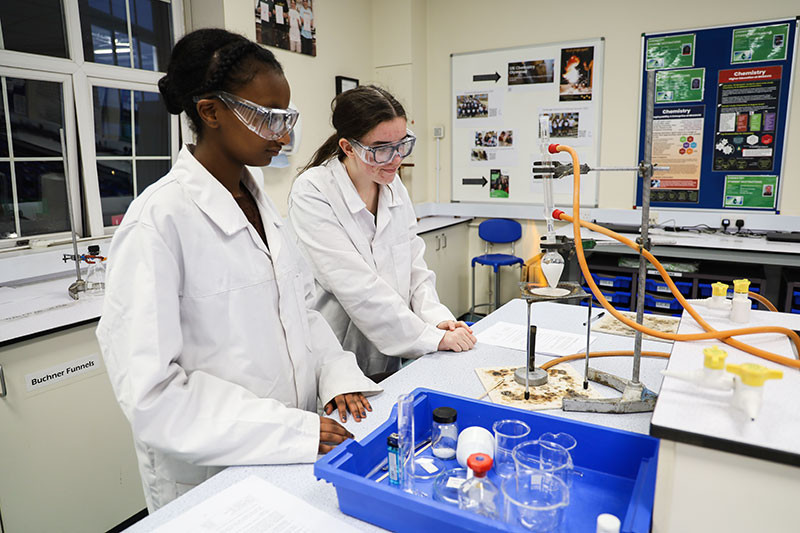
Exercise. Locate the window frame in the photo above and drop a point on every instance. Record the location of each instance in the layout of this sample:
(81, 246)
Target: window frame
(79, 77)
(70, 135)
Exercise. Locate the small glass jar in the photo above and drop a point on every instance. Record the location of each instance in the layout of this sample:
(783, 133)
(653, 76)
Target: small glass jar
(444, 434)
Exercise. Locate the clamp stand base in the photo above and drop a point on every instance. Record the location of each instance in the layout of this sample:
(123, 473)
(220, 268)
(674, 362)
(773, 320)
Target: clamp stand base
(536, 377)
(636, 398)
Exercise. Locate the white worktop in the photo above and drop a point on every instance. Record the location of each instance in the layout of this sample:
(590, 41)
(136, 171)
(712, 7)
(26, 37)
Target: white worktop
(661, 237)
(686, 412)
(449, 372)
(427, 224)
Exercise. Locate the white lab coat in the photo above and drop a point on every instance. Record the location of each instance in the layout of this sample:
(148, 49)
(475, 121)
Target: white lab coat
(212, 347)
(374, 290)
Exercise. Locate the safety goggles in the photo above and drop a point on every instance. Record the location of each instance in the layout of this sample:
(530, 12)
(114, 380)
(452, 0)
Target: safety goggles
(384, 153)
(265, 122)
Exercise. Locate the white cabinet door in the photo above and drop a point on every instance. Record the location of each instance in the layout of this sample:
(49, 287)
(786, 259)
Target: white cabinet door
(452, 277)
(446, 256)
(67, 460)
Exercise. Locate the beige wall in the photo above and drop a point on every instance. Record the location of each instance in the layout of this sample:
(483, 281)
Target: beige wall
(344, 44)
(456, 26)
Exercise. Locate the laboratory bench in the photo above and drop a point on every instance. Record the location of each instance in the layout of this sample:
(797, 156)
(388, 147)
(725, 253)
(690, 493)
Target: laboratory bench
(447, 372)
(713, 467)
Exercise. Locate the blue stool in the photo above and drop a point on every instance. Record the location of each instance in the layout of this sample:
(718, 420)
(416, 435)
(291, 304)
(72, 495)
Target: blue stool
(497, 230)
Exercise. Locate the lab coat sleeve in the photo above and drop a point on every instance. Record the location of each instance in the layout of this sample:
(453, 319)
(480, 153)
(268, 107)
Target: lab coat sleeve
(372, 304)
(196, 417)
(424, 299)
(337, 370)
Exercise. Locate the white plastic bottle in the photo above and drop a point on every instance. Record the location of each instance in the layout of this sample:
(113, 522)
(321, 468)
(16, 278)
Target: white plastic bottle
(740, 305)
(608, 523)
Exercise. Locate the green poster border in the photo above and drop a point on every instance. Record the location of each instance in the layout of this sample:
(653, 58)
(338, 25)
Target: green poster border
(745, 176)
(785, 44)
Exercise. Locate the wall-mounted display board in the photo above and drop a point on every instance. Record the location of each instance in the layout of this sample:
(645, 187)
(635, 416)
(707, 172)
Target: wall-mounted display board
(721, 113)
(498, 96)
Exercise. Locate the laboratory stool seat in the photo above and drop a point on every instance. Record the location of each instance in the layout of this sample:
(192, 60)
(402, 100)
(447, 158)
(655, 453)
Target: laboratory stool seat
(496, 231)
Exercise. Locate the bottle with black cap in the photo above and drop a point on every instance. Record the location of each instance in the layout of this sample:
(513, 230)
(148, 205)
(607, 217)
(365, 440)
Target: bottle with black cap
(444, 434)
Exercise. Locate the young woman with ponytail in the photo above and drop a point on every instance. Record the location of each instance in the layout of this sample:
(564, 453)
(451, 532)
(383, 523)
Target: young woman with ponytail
(355, 220)
(205, 330)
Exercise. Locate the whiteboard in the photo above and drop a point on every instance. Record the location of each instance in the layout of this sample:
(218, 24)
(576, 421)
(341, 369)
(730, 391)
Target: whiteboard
(497, 97)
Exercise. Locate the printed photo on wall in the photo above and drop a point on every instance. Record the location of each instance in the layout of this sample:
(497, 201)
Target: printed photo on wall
(576, 74)
(498, 184)
(564, 124)
(472, 105)
(530, 72)
(287, 24)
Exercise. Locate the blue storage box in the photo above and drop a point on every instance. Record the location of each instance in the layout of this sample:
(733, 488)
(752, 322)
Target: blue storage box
(661, 304)
(621, 298)
(796, 297)
(607, 281)
(618, 472)
(652, 285)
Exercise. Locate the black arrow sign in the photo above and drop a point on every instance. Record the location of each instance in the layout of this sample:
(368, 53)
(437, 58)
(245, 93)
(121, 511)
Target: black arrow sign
(482, 181)
(486, 77)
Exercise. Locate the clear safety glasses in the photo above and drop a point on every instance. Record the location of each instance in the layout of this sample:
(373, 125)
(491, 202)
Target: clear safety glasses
(384, 153)
(265, 122)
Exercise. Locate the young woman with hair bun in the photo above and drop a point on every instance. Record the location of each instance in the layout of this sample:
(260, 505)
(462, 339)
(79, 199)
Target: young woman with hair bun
(206, 328)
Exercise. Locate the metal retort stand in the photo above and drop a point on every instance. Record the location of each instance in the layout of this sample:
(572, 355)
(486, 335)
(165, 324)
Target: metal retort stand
(636, 397)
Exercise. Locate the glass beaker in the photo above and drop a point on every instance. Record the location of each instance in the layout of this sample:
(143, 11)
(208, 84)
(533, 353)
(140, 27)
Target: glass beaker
(507, 435)
(534, 501)
(566, 440)
(541, 456)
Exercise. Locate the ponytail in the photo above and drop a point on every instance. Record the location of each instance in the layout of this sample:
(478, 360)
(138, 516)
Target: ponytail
(355, 113)
(328, 150)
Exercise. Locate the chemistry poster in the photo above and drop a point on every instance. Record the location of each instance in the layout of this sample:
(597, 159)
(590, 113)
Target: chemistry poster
(530, 74)
(673, 51)
(675, 86)
(287, 24)
(577, 65)
(678, 143)
(764, 43)
(747, 116)
(751, 192)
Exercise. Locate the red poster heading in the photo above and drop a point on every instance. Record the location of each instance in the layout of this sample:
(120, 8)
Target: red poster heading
(750, 74)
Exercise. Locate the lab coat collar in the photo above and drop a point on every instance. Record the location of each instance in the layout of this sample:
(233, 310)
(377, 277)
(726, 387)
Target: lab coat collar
(388, 194)
(209, 194)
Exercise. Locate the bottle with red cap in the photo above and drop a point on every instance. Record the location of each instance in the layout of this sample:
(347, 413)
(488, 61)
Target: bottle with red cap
(478, 494)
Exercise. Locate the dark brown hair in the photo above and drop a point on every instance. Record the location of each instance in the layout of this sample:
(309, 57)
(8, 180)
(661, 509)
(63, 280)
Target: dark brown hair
(210, 60)
(355, 113)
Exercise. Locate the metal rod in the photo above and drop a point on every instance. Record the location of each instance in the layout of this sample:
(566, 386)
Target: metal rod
(70, 208)
(527, 369)
(588, 341)
(634, 169)
(645, 173)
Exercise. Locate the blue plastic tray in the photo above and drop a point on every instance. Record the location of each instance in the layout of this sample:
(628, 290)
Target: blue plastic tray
(684, 287)
(618, 467)
(609, 281)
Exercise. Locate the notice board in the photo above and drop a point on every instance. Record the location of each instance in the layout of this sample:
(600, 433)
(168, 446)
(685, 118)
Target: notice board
(721, 113)
(497, 98)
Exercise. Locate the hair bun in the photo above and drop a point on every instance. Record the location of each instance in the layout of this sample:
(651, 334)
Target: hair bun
(171, 100)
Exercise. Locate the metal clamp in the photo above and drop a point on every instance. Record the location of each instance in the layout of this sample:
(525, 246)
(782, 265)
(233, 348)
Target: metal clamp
(3, 390)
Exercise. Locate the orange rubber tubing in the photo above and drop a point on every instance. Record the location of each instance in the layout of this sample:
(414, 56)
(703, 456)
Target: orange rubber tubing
(564, 359)
(711, 333)
(766, 303)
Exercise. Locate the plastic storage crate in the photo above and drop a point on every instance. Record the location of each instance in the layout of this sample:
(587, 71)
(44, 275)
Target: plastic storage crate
(655, 303)
(607, 281)
(684, 287)
(618, 472)
(796, 298)
(621, 300)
